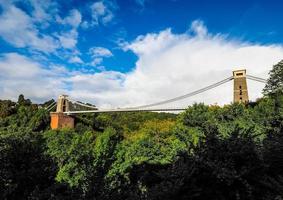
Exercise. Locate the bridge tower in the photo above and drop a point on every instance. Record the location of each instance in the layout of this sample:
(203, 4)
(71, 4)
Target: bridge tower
(240, 86)
(59, 119)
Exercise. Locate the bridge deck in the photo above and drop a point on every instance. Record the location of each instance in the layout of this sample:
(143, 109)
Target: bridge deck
(126, 110)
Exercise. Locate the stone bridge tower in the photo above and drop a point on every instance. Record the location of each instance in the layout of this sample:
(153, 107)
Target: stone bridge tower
(59, 119)
(240, 86)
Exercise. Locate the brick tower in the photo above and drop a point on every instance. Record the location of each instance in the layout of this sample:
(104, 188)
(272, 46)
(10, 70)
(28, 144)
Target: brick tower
(240, 86)
(58, 118)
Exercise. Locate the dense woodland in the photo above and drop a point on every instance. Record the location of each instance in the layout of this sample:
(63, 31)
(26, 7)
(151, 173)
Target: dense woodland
(206, 152)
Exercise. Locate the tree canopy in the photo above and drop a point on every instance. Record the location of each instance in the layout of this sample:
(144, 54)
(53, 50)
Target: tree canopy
(275, 80)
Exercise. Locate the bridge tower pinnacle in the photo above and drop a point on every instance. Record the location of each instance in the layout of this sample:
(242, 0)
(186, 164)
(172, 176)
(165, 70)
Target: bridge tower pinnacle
(63, 104)
(59, 119)
(240, 86)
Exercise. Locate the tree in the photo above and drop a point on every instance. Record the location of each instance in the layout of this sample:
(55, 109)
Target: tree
(22, 101)
(220, 168)
(7, 108)
(39, 121)
(275, 80)
(273, 156)
(24, 167)
(274, 91)
(83, 159)
(229, 168)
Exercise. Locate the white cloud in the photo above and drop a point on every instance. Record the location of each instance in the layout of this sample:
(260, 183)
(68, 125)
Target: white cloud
(74, 19)
(43, 11)
(152, 43)
(26, 30)
(104, 87)
(97, 54)
(85, 24)
(100, 52)
(103, 81)
(68, 39)
(21, 75)
(198, 28)
(16, 66)
(76, 59)
(102, 12)
(96, 61)
(17, 28)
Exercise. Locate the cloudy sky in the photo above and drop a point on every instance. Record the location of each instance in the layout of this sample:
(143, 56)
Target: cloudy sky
(132, 52)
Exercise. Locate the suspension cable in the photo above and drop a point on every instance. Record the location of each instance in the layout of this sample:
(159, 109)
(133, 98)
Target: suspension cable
(186, 95)
(82, 104)
(214, 85)
(254, 78)
(52, 107)
(260, 81)
(47, 108)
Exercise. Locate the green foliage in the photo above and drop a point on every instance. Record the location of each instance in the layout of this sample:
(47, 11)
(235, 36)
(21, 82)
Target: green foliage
(128, 122)
(73, 153)
(155, 143)
(197, 115)
(57, 142)
(224, 121)
(7, 108)
(82, 158)
(105, 144)
(23, 165)
(275, 81)
(22, 117)
(227, 168)
(22, 101)
(39, 121)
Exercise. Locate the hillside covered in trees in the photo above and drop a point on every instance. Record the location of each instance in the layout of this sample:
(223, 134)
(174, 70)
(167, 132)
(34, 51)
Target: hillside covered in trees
(206, 152)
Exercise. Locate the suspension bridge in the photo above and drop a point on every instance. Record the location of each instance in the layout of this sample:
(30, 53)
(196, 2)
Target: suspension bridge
(66, 107)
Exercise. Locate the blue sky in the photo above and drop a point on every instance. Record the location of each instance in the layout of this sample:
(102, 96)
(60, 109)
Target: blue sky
(100, 51)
